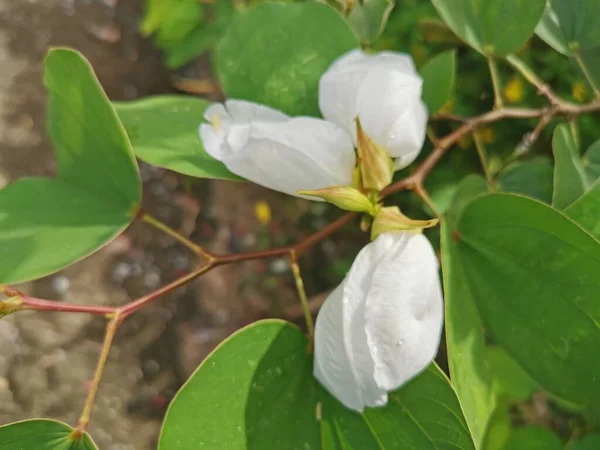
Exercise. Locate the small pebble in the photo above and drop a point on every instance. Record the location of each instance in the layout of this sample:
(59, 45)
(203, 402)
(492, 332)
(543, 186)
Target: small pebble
(60, 284)
(279, 266)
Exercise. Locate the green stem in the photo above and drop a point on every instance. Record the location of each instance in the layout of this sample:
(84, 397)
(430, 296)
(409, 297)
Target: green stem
(498, 102)
(526, 72)
(586, 73)
(482, 157)
(303, 299)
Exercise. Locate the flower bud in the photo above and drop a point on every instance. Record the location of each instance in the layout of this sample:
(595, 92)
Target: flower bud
(269, 148)
(344, 197)
(381, 327)
(384, 91)
(376, 166)
(390, 218)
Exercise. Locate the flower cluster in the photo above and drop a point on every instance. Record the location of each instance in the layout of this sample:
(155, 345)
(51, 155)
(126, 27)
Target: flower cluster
(381, 326)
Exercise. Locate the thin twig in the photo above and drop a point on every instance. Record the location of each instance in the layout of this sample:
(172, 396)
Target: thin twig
(420, 191)
(135, 305)
(586, 73)
(498, 102)
(482, 156)
(543, 89)
(84, 419)
(310, 326)
(177, 236)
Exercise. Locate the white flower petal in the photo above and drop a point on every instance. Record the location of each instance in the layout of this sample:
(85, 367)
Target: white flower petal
(384, 90)
(405, 143)
(269, 148)
(343, 362)
(404, 311)
(382, 325)
(332, 365)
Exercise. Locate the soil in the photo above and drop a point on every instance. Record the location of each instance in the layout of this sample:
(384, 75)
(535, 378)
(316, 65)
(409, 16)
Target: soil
(47, 359)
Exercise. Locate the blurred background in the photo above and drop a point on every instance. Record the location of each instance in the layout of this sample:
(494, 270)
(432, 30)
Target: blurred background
(138, 49)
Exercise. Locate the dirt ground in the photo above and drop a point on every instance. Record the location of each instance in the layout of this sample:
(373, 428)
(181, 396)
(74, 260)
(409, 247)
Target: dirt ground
(47, 359)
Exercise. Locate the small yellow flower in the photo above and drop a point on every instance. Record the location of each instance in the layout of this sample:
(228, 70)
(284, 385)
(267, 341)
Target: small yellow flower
(514, 91)
(262, 211)
(465, 141)
(487, 135)
(579, 91)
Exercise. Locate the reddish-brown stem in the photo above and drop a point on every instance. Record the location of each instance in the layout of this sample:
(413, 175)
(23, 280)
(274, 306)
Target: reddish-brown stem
(132, 307)
(298, 248)
(39, 304)
(248, 256)
(324, 232)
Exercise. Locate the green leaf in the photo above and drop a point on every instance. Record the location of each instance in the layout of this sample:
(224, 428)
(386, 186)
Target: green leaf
(533, 438)
(257, 391)
(154, 12)
(179, 20)
(498, 427)
(571, 25)
(589, 63)
(42, 434)
(570, 180)
(588, 442)
(533, 179)
(533, 274)
(204, 37)
(368, 18)
(164, 132)
(509, 378)
(591, 161)
(47, 224)
(465, 341)
(438, 80)
(550, 32)
(478, 24)
(92, 148)
(586, 211)
(275, 54)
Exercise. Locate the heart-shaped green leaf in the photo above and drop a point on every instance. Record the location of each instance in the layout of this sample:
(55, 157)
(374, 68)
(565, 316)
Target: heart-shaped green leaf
(47, 224)
(257, 391)
(531, 178)
(586, 210)
(164, 132)
(465, 341)
(570, 179)
(571, 25)
(509, 378)
(534, 276)
(438, 80)
(495, 27)
(42, 434)
(275, 54)
(591, 161)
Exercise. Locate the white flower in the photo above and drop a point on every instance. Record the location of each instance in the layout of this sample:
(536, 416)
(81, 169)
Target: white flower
(269, 148)
(384, 91)
(382, 325)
